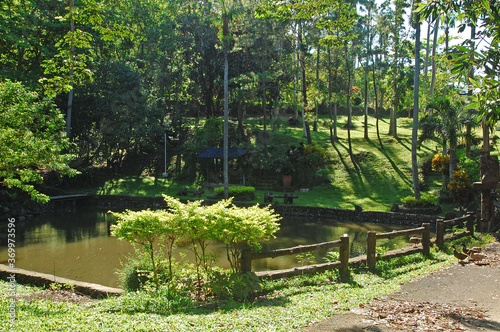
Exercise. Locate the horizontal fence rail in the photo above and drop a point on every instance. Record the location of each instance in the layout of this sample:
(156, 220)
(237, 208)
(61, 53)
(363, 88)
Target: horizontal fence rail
(296, 250)
(343, 244)
(371, 241)
(247, 256)
(442, 225)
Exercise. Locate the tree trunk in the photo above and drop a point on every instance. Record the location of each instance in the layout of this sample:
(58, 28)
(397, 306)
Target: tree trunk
(434, 46)
(366, 101)
(241, 129)
(469, 92)
(348, 97)
(395, 106)
(315, 125)
(226, 110)
(330, 92)
(446, 48)
(302, 62)
(264, 98)
(375, 90)
(453, 153)
(427, 50)
(445, 174)
(71, 71)
(414, 137)
(368, 51)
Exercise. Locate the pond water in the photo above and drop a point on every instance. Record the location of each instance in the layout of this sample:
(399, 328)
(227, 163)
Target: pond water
(77, 244)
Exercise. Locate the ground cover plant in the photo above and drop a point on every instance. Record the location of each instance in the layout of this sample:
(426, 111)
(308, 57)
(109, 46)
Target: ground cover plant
(281, 305)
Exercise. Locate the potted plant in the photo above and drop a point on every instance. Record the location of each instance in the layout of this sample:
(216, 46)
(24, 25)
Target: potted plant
(285, 168)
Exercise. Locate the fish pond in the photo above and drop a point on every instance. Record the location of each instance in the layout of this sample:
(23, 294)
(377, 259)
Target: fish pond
(77, 244)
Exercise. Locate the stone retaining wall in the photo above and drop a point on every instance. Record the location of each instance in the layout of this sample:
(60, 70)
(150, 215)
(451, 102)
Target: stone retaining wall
(390, 218)
(44, 280)
(129, 202)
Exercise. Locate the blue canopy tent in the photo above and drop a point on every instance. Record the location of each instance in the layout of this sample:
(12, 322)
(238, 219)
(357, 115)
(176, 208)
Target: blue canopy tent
(232, 153)
(217, 153)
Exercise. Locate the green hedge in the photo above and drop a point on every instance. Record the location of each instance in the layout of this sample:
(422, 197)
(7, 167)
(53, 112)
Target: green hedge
(236, 191)
(425, 200)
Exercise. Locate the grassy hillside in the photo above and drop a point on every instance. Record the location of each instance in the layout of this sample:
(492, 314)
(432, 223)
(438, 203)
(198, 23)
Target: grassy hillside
(381, 176)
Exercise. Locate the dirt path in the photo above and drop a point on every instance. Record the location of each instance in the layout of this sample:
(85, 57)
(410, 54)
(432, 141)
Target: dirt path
(461, 297)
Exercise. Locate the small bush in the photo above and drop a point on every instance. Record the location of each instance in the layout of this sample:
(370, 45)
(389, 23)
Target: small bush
(314, 156)
(460, 186)
(471, 166)
(138, 270)
(237, 286)
(425, 200)
(441, 163)
(236, 191)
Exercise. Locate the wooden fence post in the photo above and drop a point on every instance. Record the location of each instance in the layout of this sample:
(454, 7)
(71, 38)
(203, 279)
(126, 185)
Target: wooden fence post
(246, 260)
(439, 233)
(344, 255)
(470, 223)
(371, 244)
(426, 238)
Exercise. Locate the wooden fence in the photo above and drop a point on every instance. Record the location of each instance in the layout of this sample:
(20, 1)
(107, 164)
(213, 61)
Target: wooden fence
(343, 263)
(343, 244)
(442, 225)
(371, 245)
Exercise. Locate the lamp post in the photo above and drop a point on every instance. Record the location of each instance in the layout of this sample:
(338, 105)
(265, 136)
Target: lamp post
(165, 174)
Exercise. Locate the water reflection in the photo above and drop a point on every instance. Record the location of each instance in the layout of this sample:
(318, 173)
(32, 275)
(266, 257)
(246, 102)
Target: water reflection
(77, 245)
(294, 232)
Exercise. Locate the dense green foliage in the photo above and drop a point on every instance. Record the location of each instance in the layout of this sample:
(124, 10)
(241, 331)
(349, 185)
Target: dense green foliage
(425, 200)
(196, 225)
(467, 57)
(382, 178)
(149, 75)
(31, 139)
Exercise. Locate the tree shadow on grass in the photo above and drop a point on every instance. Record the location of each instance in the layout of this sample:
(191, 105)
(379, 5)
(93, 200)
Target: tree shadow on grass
(401, 141)
(386, 154)
(387, 269)
(355, 174)
(366, 178)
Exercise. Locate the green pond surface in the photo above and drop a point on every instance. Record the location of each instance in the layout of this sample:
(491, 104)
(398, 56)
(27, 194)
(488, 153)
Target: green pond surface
(77, 245)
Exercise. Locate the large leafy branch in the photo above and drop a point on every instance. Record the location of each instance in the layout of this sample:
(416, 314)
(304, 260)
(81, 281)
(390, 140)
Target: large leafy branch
(31, 134)
(484, 16)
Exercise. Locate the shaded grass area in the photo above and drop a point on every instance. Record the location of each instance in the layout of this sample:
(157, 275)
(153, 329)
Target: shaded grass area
(375, 177)
(282, 305)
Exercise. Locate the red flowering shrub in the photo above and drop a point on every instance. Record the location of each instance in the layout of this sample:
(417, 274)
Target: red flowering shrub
(460, 185)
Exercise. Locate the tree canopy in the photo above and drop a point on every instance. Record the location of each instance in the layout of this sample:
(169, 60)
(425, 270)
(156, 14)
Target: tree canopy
(31, 132)
(145, 71)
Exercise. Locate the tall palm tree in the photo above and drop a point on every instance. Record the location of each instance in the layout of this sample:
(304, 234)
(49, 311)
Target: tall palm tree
(398, 22)
(416, 83)
(228, 12)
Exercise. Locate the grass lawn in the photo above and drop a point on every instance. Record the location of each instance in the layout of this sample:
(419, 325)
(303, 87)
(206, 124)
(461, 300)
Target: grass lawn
(380, 176)
(282, 305)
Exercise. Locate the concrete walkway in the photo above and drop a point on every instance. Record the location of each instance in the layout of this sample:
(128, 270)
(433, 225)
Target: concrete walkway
(461, 297)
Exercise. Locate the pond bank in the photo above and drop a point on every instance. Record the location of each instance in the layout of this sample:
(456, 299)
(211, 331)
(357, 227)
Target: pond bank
(45, 280)
(400, 218)
(357, 215)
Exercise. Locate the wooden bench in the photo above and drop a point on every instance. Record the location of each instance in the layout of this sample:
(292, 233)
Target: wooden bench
(287, 198)
(194, 192)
